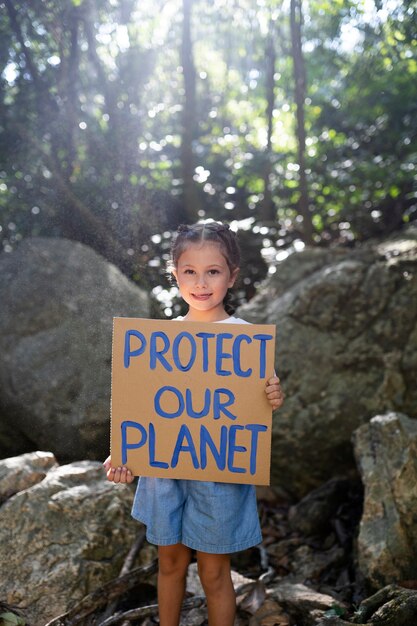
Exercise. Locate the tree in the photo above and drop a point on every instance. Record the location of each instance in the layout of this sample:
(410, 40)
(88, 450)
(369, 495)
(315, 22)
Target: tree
(191, 201)
(300, 94)
(107, 139)
(267, 207)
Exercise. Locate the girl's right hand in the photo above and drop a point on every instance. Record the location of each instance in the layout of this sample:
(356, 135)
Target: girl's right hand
(117, 474)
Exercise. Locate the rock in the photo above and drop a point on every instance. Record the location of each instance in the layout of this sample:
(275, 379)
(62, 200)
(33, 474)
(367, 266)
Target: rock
(194, 586)
(271, 495)
(69, 532)
(302, 602)
(346, 350)
(269, 614)
(311, 564)
(21, 472)
(194, 617)
(303, 562)
(386, 452)
(313, 514)
(55, 346)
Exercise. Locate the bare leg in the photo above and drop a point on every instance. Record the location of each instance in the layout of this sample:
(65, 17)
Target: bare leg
(214, 571)
(173, 565)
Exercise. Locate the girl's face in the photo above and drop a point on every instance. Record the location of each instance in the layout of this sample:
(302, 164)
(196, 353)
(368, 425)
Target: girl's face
(203, 278)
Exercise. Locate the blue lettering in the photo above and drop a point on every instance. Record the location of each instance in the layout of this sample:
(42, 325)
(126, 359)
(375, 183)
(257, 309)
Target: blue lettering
(189, 404)
(152, 461)
(205, 337)
(176, 355)
(262, 353)
(254, 429)
(158, 355)
(127, 351)
(184, 433)
(218, 454)
(131, 446)
(236, 356)
(220, 355)
(219, 406)
(157, 402)
(234, 448)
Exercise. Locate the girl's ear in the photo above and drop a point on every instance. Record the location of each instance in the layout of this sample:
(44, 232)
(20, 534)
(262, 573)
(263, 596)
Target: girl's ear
(174, 273)
(233, 277)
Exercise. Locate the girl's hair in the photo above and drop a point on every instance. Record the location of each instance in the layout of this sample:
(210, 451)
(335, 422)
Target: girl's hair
(207, 231)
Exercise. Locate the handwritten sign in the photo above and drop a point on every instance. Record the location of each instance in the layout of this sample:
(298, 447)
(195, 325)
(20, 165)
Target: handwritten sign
(188, 399)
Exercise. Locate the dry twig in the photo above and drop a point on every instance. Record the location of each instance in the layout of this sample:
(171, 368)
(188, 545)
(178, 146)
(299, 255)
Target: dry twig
(127, 566)
(150, 610)
(101, 596)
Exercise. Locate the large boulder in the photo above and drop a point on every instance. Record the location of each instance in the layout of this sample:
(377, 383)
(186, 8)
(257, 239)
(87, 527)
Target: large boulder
(58, 300)
(62, 537)
(346, 350)
(24, 471)
(386, 452)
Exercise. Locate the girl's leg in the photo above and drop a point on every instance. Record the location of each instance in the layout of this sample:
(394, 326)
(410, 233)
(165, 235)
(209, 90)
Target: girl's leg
(214, 571)
(173, 565)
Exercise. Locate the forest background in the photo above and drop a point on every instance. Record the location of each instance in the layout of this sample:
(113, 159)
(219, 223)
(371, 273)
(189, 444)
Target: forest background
(120, 119)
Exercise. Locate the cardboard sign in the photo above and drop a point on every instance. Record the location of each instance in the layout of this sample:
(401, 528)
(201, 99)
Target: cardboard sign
(188, 399)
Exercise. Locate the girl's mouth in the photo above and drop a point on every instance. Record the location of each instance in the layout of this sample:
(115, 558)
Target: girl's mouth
(201, 296)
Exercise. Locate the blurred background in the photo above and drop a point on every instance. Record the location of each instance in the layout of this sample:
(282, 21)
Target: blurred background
(120, 119)
(293, 121)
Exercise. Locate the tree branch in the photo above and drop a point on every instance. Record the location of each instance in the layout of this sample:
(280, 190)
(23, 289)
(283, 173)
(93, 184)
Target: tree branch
(99, 598)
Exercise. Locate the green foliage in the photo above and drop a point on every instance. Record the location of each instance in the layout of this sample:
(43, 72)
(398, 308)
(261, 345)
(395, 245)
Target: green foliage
(91, 124)
(335, 611)
(9, 618)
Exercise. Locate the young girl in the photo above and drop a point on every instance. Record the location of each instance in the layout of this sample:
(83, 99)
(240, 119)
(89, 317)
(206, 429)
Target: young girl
(214, 519)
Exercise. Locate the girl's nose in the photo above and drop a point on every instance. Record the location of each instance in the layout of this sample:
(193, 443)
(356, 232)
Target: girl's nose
(201, 280)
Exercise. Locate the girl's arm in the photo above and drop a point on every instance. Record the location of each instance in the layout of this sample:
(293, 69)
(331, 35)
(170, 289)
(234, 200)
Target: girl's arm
(274, 392)
(117, 474)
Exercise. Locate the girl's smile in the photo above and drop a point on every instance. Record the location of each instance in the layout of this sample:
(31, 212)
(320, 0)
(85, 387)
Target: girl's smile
(203, 278)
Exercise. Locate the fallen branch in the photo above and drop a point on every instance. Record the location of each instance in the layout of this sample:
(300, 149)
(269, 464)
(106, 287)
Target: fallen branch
(390, 606)
(269, 571)
(336, 621)
(101, 596)
(127, 566)
(150, 610)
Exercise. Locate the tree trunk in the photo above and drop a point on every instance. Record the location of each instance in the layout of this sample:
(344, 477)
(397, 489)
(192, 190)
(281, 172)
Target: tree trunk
(45, 102)
(191, 203)
(300, 88)
(70, 88)
(267, 205)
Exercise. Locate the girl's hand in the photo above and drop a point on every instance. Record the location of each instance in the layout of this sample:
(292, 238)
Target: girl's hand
(117, 474)
(274, 392)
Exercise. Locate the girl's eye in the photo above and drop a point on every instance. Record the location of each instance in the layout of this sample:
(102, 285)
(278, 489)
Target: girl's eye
(188, 271)
(213, 272)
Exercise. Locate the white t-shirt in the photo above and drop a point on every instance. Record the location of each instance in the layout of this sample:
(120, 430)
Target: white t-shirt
(228, 320)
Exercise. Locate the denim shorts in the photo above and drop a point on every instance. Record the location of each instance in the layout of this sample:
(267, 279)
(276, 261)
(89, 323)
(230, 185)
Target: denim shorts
(218, 518)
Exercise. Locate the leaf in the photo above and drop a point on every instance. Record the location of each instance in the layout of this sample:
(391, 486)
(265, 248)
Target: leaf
(335, 611)
(11, 619)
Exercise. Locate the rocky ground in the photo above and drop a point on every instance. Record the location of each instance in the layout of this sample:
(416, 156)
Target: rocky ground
(305, 573)
(303, 570)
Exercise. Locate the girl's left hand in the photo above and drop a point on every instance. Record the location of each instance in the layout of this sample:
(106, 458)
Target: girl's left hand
(117, 474)
(274, 392)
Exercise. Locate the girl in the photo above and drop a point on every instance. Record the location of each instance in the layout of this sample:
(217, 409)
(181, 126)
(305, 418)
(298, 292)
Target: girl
(215, 519)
